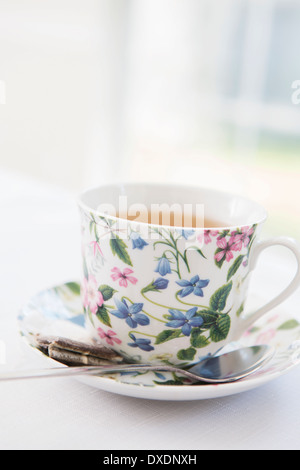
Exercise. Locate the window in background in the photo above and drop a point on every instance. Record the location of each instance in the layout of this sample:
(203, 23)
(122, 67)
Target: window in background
(261, 124)
(189, 91)
(208, 99)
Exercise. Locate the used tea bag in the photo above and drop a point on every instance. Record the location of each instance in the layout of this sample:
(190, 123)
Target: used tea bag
(72, 352)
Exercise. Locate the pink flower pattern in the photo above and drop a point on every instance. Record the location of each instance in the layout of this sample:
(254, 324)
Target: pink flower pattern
(123, 277)
(96, 248)
(206, 236)
(226, 249)
(92, 297)
(109, 336)
(240, 239)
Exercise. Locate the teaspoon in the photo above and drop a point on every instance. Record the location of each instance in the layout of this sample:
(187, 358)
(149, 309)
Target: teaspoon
(228, 367)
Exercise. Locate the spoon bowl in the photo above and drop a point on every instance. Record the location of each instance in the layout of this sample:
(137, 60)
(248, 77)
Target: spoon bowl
(234, 365)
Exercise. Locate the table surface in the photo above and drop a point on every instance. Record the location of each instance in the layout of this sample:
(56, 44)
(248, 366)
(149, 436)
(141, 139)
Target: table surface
(40, 247)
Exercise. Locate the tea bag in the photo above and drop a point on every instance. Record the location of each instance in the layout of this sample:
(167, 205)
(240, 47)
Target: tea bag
(76, 353)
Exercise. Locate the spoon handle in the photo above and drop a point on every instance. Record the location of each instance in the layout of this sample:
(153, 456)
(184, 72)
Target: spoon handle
(84, 370)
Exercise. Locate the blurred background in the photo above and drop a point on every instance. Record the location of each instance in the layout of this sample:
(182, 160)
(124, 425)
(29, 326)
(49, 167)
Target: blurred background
(192, 91)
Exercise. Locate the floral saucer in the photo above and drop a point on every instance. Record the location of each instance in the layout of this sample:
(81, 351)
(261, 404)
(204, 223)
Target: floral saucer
(58, 311)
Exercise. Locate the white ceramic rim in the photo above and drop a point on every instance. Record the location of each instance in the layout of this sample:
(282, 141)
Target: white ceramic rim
(162, 186)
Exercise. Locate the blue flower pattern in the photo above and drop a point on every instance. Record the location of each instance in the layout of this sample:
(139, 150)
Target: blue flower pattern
(163, 266)
(195, 286)
(137, 241)
(142, 343)
(131, 314)
(186, 233)
(185, 321)
(160, 283)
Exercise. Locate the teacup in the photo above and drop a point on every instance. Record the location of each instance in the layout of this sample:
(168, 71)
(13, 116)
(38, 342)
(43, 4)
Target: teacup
(161, 293)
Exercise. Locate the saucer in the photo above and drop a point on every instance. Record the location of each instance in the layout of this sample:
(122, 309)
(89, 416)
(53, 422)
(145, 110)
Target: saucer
(58, 311)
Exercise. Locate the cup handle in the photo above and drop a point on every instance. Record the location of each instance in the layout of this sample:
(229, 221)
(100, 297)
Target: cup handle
(293, 246)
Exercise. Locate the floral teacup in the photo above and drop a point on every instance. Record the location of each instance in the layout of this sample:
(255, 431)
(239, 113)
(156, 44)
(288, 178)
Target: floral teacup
(170, 294)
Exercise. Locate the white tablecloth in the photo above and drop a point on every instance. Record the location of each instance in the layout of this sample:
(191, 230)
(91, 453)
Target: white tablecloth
(40, 247)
